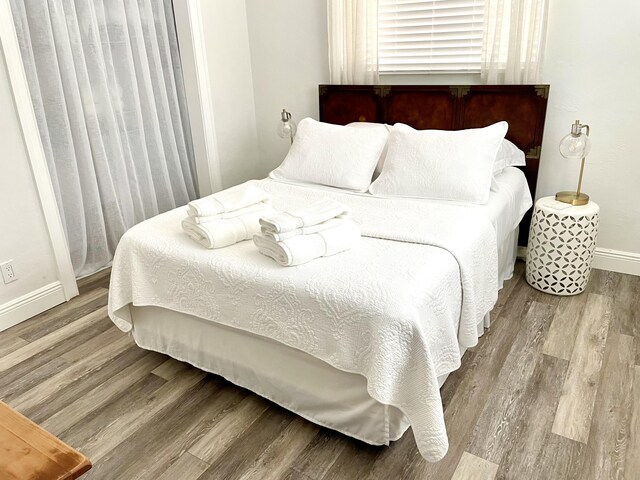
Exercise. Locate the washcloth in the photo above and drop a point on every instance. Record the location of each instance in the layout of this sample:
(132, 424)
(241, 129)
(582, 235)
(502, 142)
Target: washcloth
(223, 204)
(224, 232)
(318, 212)
(301, 249)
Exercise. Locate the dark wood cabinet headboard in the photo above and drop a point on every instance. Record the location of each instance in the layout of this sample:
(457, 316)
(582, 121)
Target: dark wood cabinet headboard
(446, 107)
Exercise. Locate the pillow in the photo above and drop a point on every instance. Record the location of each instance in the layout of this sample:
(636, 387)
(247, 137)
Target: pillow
(333, 155)
(440, 164)
(508, 156)
(384, 152)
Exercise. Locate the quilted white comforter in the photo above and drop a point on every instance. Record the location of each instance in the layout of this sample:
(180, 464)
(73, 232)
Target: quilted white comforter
(395, 309)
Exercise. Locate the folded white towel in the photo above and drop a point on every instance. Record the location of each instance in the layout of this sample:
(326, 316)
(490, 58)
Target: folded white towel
(316, 213)
(278, 237)
(224, 232)
(304, 248)
(222, 204)
(262, 208)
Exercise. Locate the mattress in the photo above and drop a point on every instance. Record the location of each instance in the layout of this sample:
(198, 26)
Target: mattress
(157, 268)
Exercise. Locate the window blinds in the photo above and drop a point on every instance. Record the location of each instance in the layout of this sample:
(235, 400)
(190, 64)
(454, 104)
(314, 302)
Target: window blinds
(430, 36)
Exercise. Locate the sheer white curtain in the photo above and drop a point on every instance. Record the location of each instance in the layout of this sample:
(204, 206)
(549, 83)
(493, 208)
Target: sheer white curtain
(106, 84)
(514, 37)
(353, 41)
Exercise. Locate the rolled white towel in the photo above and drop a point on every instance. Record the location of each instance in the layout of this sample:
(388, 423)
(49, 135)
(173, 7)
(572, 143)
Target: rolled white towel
(223, 204)
(316, 213)
(304, 248)
(224, 232)
(277, 237)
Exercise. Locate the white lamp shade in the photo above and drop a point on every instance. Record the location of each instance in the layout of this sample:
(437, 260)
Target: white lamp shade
(575, 146)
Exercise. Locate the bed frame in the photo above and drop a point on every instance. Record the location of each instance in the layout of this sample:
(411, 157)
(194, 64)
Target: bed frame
(448, 107)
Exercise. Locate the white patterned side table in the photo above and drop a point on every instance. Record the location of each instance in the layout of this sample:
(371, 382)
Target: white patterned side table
(562, 239)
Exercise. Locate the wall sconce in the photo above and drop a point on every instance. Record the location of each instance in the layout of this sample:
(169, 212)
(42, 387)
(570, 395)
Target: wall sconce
(286, 126)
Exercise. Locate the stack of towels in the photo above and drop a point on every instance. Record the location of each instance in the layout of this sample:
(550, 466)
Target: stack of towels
(227, 217)
(291, 238)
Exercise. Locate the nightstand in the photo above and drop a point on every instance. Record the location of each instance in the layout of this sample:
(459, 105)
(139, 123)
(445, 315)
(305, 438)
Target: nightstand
(562, 239)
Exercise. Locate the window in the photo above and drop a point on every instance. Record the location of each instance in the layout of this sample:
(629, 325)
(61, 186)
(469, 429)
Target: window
(430, 36)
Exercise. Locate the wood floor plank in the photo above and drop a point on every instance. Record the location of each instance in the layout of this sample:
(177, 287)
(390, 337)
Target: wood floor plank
(57, 317)
(223, 433)
(170, 368)
(97, 280)
(509, 403)
(275, 461)
(320, 454)
(471, 467)
(625, 317)
(43, 392)
(16, 373)
(134, 398)
(149, 451)
(355, 461)
(51, 339)
(560, 458)
(603, 282)
(531, 435)
(10, 343)
(608, 440)
(102, 442)
(632, 461)
(102, 394)
(187, 467)
(249, 445)
(32, 379)
(562, 334)
(156, 447)
(109, 336)
(575, 408)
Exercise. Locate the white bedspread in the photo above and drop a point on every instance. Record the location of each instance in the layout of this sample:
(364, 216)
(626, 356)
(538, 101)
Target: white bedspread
(392, 309)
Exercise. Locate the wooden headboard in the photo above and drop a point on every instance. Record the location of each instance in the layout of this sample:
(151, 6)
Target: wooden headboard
(445, 107)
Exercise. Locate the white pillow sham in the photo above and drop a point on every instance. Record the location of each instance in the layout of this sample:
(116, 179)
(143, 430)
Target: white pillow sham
(440, 164)
(333, 155)
(508, 156)
(384, 152)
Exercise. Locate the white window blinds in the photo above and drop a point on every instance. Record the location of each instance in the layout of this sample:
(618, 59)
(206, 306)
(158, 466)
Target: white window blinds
(430, 36)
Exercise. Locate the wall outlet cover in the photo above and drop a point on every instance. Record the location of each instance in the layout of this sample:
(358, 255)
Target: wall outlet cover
(8, 273)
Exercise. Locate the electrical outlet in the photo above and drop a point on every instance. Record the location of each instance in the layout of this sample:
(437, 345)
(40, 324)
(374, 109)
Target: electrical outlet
(8, 273)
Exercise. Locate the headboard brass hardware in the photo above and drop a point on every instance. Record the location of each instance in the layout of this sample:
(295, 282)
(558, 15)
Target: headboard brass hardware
(459, 91)
(382, 90)
(534, 152)
(542, 91)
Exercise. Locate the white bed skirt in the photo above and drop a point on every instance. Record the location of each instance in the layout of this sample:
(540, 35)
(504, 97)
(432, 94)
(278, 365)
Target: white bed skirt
(289, 377)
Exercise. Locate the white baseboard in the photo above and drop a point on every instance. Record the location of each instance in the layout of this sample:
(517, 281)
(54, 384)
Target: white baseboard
(617, 261)
(607, 259)
(33, 303)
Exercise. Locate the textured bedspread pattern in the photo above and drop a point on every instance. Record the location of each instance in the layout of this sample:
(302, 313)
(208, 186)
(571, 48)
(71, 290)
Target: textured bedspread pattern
(373, 310)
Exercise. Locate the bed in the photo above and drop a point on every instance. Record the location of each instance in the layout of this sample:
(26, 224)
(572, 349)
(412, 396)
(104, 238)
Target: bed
(359, 342)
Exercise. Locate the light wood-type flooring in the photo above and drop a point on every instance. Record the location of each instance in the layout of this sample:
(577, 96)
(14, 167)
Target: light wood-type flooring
(552, 391)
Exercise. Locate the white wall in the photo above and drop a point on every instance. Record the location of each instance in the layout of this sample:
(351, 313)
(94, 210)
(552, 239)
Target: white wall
(228, 56)
(288, 41)
(592, 63)
(23, 234)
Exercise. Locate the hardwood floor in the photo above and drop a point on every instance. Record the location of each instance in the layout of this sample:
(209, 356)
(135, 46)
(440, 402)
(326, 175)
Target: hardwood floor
(552, 391)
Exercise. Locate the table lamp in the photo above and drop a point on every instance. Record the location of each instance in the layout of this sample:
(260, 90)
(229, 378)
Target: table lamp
(286, 126)
(575, 145)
